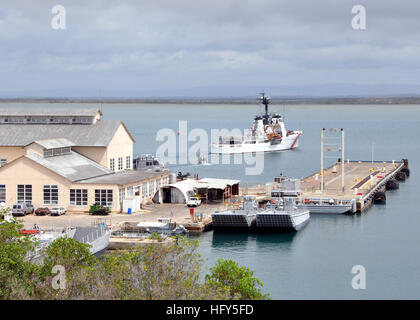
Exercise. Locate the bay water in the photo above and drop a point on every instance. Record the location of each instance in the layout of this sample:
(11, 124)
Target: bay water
(316, 262)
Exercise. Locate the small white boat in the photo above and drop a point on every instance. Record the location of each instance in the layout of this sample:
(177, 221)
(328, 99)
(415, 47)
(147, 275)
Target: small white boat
(44, 239)
(237, 218)
(201, 159)
(163, 226)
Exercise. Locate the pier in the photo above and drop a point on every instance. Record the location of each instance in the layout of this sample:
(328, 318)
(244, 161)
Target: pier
(361, 183)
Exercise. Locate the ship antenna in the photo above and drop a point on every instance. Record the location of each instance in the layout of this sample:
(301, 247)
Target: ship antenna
(265, 100)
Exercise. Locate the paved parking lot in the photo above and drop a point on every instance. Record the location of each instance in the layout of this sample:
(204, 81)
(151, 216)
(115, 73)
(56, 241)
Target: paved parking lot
(178, 212)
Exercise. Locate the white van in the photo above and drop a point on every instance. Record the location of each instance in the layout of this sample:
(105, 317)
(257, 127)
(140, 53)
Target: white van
(22, 209)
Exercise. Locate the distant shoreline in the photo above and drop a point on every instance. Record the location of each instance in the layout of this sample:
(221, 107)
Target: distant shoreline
(293, 101)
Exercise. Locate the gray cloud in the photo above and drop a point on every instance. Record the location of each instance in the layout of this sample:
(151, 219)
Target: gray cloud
(185, 43)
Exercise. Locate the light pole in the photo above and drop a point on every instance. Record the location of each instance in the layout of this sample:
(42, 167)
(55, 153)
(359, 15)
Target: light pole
(322, 160)
(373, 150)
(342, 160)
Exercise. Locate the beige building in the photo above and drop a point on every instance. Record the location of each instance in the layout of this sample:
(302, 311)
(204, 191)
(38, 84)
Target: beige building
(70, 158)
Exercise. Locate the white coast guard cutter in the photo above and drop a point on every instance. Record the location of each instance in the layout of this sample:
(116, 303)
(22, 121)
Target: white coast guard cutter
(267, 133)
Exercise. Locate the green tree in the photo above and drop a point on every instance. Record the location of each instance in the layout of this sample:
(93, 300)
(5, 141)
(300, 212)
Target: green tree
(16, 272)
(239, 282)
(165, 270)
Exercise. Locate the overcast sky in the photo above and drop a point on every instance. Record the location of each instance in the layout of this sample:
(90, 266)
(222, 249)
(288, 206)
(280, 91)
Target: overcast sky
(176, 44)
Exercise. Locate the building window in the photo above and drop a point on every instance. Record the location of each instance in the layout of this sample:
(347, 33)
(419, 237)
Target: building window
(137, 191)
(82, 120)
(2, 193)
(104, 197)
(50, 194)
(158, 183)
(3, 162)
(48, 153)
(78, 197)
(128, 162)
(165, 181)
(144, 189)
(112, 164)
(120, 163)
(36, 119)
(129, 191)
(151, 188)
(16, 119)
(60, 119)
(56, 152)
(24, 193)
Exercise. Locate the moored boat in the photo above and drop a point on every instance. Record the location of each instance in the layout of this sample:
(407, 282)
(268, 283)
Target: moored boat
(282, 215)
(241, 218)
(162, 226)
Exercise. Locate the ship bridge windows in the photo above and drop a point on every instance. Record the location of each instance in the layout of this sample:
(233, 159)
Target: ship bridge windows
(250, 142)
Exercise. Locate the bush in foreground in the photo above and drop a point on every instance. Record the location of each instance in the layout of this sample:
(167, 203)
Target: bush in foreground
(149, 271)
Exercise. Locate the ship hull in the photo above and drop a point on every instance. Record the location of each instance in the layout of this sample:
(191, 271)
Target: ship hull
(231, 220)
(282, 220)
(331, 209)
(287, 143)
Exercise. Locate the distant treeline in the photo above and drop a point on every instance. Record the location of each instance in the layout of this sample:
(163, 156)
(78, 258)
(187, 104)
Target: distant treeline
(275, 100)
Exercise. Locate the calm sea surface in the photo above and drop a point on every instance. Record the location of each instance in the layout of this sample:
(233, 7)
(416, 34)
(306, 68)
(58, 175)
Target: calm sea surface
(316, 262)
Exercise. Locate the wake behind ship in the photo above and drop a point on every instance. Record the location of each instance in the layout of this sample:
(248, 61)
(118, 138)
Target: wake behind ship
(267, 133)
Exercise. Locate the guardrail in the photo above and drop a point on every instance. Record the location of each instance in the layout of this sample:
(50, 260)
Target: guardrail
(94, 235)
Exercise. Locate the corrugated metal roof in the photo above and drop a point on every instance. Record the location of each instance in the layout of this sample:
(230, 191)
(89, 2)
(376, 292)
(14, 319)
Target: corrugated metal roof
(95, 135)
(124, 177)
(71, 166)
(218, 183)
(189, 185)
(49, 112)
(55, 143)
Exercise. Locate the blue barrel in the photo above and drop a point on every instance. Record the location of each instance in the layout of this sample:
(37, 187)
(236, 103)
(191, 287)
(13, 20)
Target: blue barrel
(129, 211)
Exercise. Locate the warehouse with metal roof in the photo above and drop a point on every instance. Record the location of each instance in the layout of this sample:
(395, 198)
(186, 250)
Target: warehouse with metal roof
(70, 158)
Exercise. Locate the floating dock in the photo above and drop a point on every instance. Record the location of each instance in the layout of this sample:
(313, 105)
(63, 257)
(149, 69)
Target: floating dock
(364, 183)
(197, 227)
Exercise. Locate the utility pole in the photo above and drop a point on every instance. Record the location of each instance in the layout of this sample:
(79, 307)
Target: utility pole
(322, 160)
(373, 150)
(342, 159)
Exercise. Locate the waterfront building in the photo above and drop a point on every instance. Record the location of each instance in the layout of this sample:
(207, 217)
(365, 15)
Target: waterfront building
(70, 158)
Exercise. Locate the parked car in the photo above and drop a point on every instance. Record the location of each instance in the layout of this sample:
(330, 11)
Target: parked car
(31, 207)
(22, 209)
(58, 211)
(42, 211)
(194, 202)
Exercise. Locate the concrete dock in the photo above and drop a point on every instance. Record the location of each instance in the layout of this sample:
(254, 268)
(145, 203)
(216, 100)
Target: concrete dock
(362, 180)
